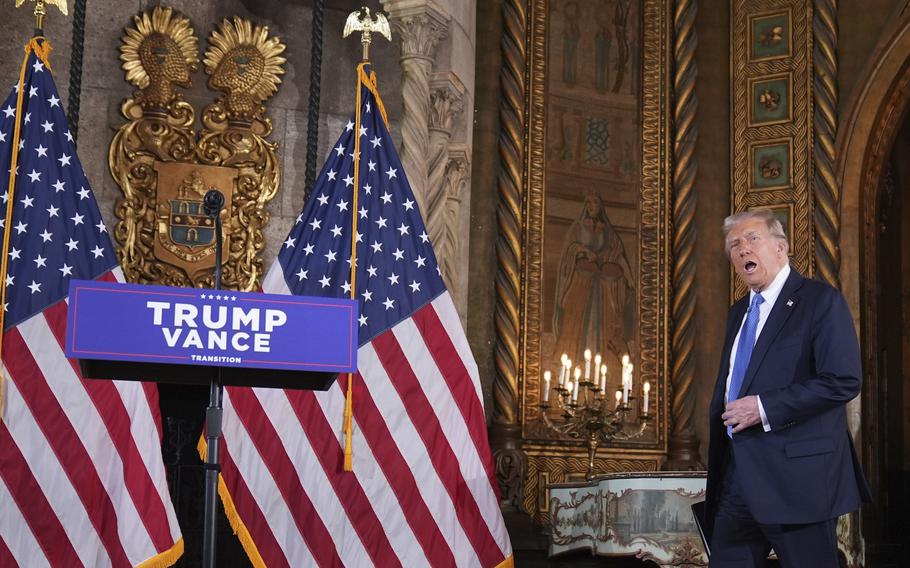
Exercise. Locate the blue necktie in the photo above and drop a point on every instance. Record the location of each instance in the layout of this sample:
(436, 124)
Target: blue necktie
(744, 352)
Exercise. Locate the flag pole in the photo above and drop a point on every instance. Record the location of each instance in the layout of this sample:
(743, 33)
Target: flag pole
(361, 21)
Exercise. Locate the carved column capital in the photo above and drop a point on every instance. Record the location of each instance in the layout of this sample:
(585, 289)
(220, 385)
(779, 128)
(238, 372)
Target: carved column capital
(446, 100)
(420, 24)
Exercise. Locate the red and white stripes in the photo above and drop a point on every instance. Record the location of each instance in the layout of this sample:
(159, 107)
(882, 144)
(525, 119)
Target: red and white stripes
(422, 492)
(82, 480)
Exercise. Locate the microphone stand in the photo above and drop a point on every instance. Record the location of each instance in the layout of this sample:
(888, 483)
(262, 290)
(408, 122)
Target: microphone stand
(212, 204)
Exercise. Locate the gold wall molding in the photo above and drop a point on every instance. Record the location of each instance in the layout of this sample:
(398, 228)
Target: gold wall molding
(827, 191)
(683, 447)
(773, 121)
(164, 166)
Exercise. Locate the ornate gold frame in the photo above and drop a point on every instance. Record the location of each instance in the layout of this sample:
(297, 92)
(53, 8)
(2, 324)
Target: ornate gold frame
(548, 459)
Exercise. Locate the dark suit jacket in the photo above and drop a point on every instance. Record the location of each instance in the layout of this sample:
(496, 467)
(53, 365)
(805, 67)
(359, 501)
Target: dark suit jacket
(805, 366)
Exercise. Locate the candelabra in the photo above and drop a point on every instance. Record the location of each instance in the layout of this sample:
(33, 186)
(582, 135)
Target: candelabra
(586, 410)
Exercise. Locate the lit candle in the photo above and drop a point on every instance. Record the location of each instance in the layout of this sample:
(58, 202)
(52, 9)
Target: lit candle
(647, 388)
(575, 386)
(603, 380)
(562, 369)
(569, 386)
(587, 364)
(618, 396)
(597, 360)
(546, 386)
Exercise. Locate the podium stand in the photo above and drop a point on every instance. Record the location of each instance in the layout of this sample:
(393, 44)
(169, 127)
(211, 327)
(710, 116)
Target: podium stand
(194, 336)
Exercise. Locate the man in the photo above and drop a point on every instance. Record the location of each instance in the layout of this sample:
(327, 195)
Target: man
(781, 463)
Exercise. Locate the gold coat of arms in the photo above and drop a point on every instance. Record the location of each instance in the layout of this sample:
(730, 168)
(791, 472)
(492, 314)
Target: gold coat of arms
(164, 166)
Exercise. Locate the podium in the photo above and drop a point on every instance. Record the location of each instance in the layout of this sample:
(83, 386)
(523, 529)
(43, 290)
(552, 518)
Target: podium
(195, 336)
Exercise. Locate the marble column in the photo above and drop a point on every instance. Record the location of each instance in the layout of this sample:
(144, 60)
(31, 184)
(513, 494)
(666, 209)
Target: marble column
(419, 25)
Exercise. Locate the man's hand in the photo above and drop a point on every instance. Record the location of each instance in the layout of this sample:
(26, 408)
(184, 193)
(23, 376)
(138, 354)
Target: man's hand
(742, 413)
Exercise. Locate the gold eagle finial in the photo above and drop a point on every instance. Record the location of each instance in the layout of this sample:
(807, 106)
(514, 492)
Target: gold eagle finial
(41, 9)
(361, 21)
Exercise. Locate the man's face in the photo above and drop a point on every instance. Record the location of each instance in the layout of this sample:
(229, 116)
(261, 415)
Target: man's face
(756, 255)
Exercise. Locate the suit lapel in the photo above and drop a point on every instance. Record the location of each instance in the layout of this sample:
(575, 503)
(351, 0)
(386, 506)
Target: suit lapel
(783, 307)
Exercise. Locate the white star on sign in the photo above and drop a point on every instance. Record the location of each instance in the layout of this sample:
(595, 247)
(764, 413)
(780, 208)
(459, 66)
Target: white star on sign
(72, 245)
(349, 126)
(9, 112)
(34, 287)
(48, 126)
(377, 246)
(376, 142)
(386, 197)
(101, 227)
(325, 281)
(77, 219)
(329, 256)
(52, 211)
(393, 279)
(42, 151)
(98, 251)
(389, 303)
(346, 287)
(408, 205)
(348, 181)
(424, 237)
(40, 262)
(323, 199)
(403, 229)
(308, 249)
(14, 253)
(342, 206)
(332, 174)
(38, 67)
(420, 261)
(289, 243)
(362, 319)
(392, 173)
(83, 194)
(34, 176)
(45, 236)
(372, 165)
(336, 231)
(20, 228)
(363, 130)
(398, 254)
(415, 286)
(27, 202)
(64, 160)
(367, 296)
(381, 222)
(67, 270)
(54, 101)
(59, 186)
(316, 223)
(340, 149)
(371, 271)
(302, 274)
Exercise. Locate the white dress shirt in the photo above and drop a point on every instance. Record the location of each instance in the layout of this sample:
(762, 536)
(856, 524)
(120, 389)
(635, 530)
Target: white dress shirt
(770, 295)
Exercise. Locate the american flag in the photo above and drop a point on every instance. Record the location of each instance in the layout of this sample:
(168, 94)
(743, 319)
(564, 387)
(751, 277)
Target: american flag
(422, 491)
(82, 481)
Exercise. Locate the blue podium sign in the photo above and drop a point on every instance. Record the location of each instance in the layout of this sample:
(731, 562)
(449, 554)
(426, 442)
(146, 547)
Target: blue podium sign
(193, 326)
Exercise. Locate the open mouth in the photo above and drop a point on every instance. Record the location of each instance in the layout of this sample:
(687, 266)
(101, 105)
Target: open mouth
(750, 267)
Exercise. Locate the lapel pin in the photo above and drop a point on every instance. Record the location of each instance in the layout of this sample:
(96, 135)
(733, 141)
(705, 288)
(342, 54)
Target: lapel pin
(789, 303)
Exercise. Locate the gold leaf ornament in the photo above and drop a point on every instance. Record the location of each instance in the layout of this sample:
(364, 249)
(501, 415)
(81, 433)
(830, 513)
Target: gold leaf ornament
(160, 51)
(245, 63)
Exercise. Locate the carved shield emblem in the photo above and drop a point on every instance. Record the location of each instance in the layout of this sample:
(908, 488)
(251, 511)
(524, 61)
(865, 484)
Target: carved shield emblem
(164, 165)
(186, 235)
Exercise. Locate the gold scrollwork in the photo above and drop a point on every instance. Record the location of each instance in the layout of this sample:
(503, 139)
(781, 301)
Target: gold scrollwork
(231, 152)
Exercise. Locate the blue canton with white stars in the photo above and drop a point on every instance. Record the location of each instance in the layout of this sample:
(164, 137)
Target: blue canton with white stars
(397, 272)
(57, 232)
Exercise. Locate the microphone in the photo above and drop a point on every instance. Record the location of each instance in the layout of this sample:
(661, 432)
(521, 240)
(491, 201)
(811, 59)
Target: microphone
(213, 202)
